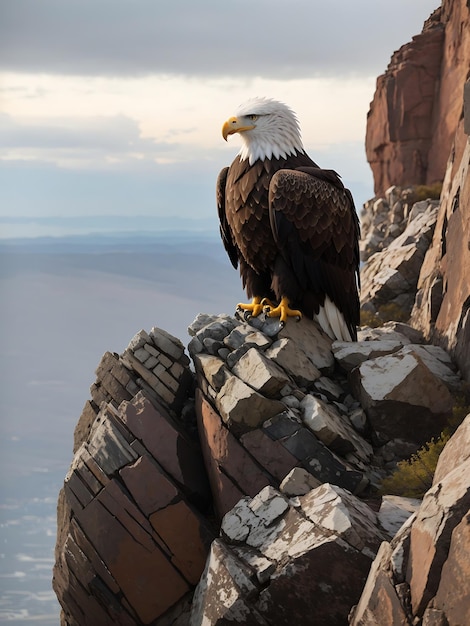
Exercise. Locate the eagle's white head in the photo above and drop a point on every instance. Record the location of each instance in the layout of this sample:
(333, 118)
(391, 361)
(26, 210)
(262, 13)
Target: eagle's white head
(269, 129)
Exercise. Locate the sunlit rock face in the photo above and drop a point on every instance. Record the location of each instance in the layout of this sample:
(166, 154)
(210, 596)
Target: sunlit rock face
(417, 134)
(417, 106)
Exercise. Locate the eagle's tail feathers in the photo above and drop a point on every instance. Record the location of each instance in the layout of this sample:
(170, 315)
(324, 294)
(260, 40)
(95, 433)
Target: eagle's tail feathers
(332, 321)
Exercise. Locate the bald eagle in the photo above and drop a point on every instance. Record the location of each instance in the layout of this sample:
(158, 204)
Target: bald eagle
(289, 225)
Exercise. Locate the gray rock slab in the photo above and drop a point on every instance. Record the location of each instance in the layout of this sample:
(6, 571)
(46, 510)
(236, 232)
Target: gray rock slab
(294, 362)
(333, 429)
(298, 482)
(167, 343)
(351, 354)
(245, 335)
(138, 340)
(212, 368)
(395, 511)
(321, 462)
(282, 425)
(310, 340)
(243, 408)
(261, 373)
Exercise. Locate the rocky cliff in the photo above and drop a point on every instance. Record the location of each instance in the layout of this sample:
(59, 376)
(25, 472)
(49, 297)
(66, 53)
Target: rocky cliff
(247, 491)
(267, 475)
(417, 135)
(417, 106)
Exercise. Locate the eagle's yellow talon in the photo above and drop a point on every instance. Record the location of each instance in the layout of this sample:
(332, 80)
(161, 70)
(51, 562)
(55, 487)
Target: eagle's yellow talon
(283, 311)
(254, 309)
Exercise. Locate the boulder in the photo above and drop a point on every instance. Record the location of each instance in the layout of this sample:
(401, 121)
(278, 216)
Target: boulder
(277, 566)
(402, 397)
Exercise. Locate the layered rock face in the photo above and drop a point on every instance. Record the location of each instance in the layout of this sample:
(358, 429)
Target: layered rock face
(442, 305)
(417, 106)
(417, 260)
(243, 492)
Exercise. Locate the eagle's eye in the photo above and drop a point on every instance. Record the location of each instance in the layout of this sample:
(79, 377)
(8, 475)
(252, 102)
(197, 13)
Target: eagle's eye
(253, 118)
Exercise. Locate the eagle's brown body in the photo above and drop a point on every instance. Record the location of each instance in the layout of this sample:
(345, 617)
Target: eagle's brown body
(293, 230)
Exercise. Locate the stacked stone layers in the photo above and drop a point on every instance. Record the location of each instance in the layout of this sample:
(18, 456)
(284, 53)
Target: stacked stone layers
(281, 454)
(136, 487)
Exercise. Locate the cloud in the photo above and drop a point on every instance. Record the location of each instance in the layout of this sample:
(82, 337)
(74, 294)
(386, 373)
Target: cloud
(101, 141)
(208, 38)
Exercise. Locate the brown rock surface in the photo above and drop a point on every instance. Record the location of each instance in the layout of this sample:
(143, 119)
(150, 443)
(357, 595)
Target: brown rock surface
(453, 597)
(123, 520)
(417, 105)
(443, 508)
(131, 494)
(232, 471)
(442, 305)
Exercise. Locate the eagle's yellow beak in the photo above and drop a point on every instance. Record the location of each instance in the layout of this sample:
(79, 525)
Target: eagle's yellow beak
(234, 125)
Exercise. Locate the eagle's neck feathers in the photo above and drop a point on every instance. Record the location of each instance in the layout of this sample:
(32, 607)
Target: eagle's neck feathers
(262, 150)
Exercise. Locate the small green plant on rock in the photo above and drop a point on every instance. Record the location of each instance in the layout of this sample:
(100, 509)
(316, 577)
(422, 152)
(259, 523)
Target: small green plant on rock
(425, 192)
(413, 477)
(385, 313)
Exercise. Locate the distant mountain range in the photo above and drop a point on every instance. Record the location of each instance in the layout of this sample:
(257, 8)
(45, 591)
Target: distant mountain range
(13, 227)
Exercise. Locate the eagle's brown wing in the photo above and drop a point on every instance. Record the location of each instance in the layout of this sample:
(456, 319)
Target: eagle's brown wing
(225, 232)
(316, 228)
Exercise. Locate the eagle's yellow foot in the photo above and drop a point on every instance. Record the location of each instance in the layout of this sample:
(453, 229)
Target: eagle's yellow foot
(254, 309)
(283, 311)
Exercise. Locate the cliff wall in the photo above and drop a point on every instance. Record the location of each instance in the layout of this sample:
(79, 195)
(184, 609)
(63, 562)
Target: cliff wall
(417, 105)
(417, 135)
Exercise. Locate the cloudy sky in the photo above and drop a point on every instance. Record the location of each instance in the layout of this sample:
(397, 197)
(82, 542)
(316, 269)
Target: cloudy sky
(114, 107)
